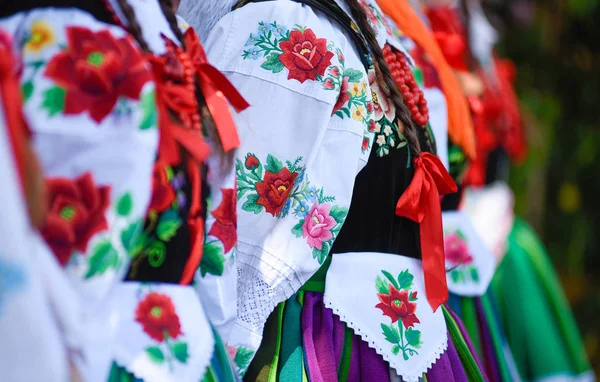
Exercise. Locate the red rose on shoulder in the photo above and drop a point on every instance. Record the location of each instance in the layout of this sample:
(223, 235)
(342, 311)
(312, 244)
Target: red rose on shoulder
(76, 212)
(163, 194)
(156, 313)
(305, 55)
(225, 228)
(344, 96)
(275, 189)
(396, 306)
(95, 70)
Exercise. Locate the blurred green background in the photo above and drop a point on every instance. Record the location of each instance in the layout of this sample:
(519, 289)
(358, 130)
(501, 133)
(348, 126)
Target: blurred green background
(556, 46)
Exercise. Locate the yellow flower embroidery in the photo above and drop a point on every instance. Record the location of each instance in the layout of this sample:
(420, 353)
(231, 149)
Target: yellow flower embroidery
(359, 113)
(357, 89)
(41, 35)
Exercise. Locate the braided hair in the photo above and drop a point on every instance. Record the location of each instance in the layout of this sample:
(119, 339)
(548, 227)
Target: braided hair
(168, 10)
(385, 77)
(133, 25)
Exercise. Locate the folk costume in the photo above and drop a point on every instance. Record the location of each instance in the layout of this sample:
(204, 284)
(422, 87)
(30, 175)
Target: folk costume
(307, 226)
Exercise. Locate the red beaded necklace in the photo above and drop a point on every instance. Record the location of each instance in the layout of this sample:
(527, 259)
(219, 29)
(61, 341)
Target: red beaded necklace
(411, 93)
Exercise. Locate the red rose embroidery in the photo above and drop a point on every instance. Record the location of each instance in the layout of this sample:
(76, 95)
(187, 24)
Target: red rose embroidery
(275, 189)
(156, 313)
(456, 250)
(163, 194)
(344, 96)
(305, 55)
(95, 70)
(76, 212)
(396, 306)
(251, 162)
(365, 144)
(225, 228)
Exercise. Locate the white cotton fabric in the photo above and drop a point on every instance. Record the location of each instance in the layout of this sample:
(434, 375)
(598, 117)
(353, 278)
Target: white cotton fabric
(356, 274)
(131, 351)
(472, 277)
(31, 348)
(287, 119)
(493, 222)
(116, 153)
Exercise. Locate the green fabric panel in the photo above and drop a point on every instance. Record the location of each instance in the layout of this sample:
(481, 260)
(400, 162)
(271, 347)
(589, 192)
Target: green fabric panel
(346, 356)
(469, 318)
(275, 360)
(466, 358)
(526, 237)
(260, 368)
(119, 374)
(531, 330)
(209, 376)
(291, 357)
(490, 319)
(317, 282)
(223, 371)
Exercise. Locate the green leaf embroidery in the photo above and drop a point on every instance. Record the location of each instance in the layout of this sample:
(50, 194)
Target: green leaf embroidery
(405, 280)
(413, 338)
(133, 238)
(321, 254)
(213, 260)
(382, 286)
(273, 63)
(105, 257)
(474, 274)
(168, 225)
(460, 234)
(54, 100)
(353, 75)
(156, 355)
(338, 213)
(180, 351)
(125, 205)
(243, 357)
(251, 206)
(391, 334)
(391, 278)
(297, 230)
(148, 105)
(157, 253)
(274, 165)
(27, 89)
(456, 275)
(396, 349)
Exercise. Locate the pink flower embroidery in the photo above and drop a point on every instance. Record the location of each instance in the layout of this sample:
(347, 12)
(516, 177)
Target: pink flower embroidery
(456, 250)
(382, 105)
(317, 225)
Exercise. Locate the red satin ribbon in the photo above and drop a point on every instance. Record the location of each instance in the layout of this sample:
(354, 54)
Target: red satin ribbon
(421, 203)
(217, 90)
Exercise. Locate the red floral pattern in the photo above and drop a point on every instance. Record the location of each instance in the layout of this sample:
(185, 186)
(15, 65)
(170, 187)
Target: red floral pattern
(305, 55)
(156, 313)
(344, 96)
(95, 70)
(225, 227)
(275, 189)
(163, 194)
(396, 305)
(251, 162)
(76, 212)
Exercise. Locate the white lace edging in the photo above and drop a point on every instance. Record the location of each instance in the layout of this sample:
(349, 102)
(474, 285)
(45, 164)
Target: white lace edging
(425, 365)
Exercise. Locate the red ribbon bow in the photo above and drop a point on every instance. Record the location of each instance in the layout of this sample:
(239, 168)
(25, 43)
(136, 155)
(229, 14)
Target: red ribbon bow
(217, 90)
(421, 203)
